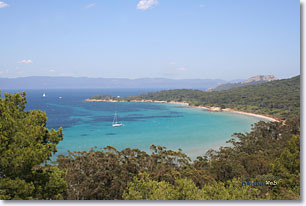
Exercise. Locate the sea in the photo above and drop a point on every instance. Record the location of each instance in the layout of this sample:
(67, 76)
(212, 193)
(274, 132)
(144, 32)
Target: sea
(175, 126)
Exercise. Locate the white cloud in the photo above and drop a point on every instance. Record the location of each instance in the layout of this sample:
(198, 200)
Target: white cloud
(90, 5)
(51, 70)
(26, 61)
(146, 4)
(3, 4)
(181, 69)
(172, 63)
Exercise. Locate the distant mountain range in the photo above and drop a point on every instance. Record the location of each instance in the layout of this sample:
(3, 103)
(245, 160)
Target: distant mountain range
(43, 82)
(251, 81)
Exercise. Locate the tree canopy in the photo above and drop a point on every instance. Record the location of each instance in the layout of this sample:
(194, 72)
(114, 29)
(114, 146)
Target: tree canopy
(26, 147)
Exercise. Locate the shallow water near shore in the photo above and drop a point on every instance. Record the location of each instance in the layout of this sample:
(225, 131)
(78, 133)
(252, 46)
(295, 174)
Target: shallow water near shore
(89, 124)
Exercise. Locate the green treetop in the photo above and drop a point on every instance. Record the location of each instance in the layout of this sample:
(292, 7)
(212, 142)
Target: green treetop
(26, 146)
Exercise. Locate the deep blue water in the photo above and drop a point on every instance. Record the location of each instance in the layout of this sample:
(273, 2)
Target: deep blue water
(88, 124)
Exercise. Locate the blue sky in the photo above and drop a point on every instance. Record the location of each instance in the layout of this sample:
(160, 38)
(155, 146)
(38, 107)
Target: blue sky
(226, 39)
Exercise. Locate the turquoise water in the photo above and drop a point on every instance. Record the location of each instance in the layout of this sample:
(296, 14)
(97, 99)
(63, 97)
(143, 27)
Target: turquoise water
(171, 125)
(89, 124)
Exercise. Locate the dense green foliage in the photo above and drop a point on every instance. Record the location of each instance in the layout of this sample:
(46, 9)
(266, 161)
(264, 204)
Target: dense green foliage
(102, 96)
(112, 174)
(145, 188)
(252, 153)
(26, 145)
(280, 98)
(104, 174)
(287, 167)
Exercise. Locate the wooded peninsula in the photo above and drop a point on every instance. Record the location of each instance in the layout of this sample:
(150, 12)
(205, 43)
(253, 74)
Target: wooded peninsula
(279, 98)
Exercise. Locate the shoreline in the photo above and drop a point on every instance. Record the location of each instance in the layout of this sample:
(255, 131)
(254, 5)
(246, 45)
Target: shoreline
(212, 109)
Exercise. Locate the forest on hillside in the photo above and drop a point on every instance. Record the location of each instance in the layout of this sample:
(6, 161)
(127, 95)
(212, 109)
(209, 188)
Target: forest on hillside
(279, 98)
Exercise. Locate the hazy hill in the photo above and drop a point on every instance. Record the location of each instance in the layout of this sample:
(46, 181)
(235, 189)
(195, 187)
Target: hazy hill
(85, 82)
(251, 81)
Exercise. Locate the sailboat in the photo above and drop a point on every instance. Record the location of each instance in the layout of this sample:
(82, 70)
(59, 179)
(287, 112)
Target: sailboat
(115, 121)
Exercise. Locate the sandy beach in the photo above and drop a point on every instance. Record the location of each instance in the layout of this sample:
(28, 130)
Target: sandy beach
(213, 109)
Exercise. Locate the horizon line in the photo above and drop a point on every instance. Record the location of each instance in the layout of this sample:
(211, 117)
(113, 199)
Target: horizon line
(146, 77)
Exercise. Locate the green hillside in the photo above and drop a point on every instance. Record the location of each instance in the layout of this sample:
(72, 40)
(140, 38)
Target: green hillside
(279, 98)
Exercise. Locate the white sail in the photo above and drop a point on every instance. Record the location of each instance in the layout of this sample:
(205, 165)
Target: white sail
(115, 121)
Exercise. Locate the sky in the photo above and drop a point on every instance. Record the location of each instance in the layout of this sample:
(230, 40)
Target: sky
(177, 39)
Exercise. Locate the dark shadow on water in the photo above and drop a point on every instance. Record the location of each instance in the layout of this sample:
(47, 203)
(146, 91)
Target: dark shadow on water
(171, 112)
(110, 133)
(134, 115)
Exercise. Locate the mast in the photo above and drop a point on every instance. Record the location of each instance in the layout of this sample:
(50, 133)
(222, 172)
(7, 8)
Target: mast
(115, 118)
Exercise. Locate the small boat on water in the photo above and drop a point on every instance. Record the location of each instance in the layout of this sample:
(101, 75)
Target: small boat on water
(44, 95)
(115, 121)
